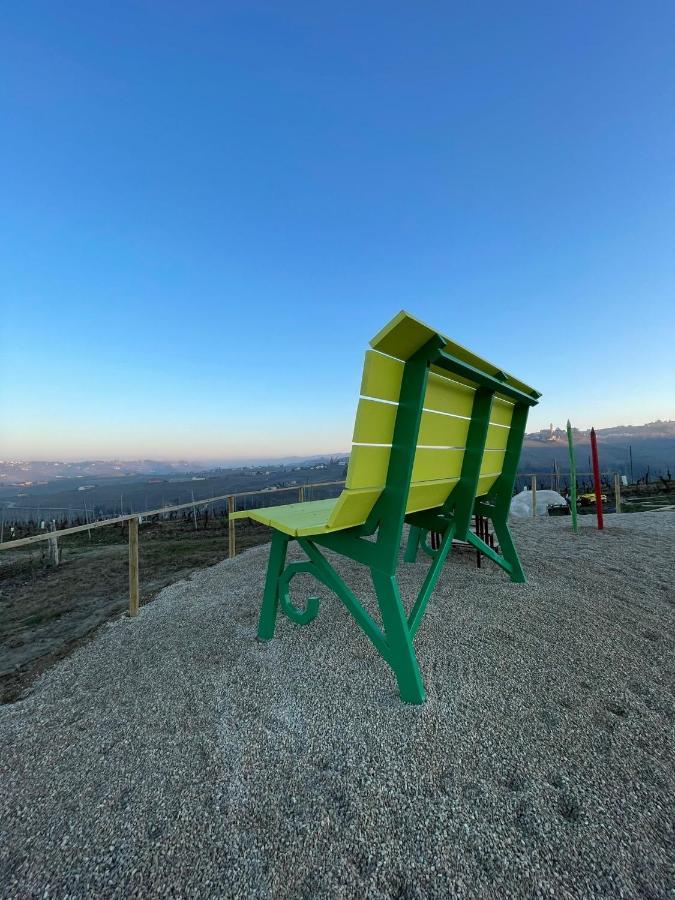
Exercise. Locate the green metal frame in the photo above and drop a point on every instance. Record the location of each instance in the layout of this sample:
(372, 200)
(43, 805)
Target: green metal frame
(393, 639)
(573, 477)
(463, 504)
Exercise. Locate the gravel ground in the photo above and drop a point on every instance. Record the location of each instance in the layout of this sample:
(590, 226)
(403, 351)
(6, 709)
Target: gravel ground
(176, 756)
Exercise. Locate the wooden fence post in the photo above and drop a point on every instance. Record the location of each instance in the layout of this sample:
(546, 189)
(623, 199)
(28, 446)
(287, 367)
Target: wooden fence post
(133, 567)
(232, 549)
(534, 496)
(54, 546)
(617, 492)
(86, 518)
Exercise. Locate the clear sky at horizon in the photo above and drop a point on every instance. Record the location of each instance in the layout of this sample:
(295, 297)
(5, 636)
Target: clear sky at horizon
(208, 209)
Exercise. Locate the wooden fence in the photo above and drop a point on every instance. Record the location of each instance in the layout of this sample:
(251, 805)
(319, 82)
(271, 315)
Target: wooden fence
(134, 519)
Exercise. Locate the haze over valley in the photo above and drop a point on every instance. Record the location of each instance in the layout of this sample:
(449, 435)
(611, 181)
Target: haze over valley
(57, 489)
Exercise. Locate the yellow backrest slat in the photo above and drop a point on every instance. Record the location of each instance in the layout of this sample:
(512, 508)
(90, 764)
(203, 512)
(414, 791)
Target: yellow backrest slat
(430, 494)
(437, 430)
(502, 411)
(447, 396)
(493, 460)
(497, 437)
(353, 507)
(405, 334)
(382, 377)
(433, 464)
(375, 425)
(374, 422)
(367, 467)
(485, 482)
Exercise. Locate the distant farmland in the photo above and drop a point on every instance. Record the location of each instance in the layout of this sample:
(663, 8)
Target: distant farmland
(64, 499)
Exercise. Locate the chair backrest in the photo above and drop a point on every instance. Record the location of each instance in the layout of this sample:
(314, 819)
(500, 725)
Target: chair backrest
(444, 425)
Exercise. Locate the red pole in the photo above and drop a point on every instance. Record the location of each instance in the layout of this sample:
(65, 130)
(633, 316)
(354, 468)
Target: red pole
(596, 479)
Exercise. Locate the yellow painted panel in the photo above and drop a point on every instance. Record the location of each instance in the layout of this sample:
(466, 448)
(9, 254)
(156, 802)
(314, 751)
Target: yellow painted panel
(382, 380)
(256, 515)
(437, 430)
(374, 422)
(448, 396)
(497, 436)
(429, 494)
(306, 513)
(311, 517)
(403, 336)
(242, 514)
(443, 373)
(485, 483)
(352, 508)
(367, 467)
(375, 425)
(493, 460)
(381, 377)
(432, 464)
(502, 411)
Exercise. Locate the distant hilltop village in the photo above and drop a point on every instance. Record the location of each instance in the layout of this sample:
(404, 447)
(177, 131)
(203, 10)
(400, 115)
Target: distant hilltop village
(550, 435)
(658, 429)
(631, 450)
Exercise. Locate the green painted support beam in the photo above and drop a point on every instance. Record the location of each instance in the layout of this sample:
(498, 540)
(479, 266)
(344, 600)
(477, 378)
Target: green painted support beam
(501, 492)
(573, 477)
(489, 552)
(399, 638)
(275, 567)
(390, 509)
(350, 544)
(455, 366)
(333, 581)
(417, 612)
(461, 500)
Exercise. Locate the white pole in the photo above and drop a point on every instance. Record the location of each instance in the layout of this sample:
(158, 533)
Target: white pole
(534, 496)
(617, 492)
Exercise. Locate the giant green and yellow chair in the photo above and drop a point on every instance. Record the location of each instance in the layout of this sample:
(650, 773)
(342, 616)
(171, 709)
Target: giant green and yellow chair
(437, 438)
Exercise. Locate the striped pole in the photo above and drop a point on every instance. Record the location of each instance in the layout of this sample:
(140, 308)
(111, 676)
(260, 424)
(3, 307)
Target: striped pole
(596, 479)
(573, 477)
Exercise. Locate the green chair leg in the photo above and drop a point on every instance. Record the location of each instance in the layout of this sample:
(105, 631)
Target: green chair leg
(402, 653)
(412, 546)
(509, 552)
(270, 604)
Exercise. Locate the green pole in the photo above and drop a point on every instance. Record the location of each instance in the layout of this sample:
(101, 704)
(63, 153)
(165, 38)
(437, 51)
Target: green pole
(573, 477)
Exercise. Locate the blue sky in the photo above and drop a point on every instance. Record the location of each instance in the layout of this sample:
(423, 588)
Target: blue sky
(208, 209)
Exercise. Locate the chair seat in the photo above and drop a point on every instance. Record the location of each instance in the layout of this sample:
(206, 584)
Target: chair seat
(296, 519)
